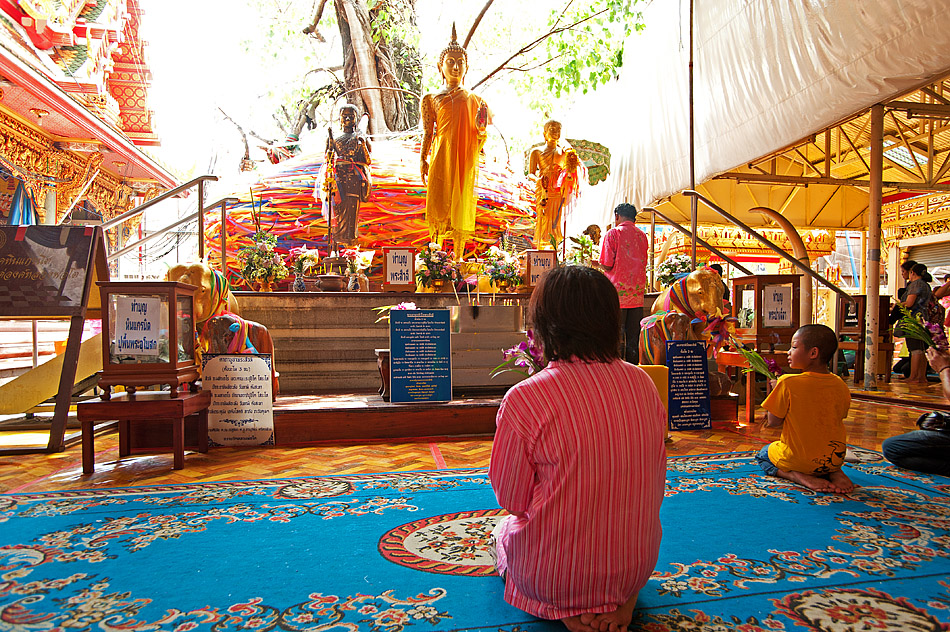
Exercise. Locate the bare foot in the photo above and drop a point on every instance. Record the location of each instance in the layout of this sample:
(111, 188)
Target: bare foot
(574, 624)
(814, 483)
(841, 482)
(616, 621)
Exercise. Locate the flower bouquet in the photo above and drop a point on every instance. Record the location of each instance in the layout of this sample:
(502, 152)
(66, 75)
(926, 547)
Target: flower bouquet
(357, 261)
(524, 358)
(260, 262)
(913, 326)
(303, 260)
(584, 251)
(435, 267)
(670, 267)
(502, 268)
(767, 367)
(383, 311)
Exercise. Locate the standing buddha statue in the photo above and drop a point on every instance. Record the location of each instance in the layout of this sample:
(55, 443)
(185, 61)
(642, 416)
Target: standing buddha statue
(554, 168)
(454, 122)
(351, 160)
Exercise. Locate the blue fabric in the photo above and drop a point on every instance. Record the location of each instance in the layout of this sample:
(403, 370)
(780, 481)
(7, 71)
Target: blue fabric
(762, 458)
(22, 208)
(407, 552)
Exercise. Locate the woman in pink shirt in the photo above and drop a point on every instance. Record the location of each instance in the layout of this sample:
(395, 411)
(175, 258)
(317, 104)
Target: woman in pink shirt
(580, 464)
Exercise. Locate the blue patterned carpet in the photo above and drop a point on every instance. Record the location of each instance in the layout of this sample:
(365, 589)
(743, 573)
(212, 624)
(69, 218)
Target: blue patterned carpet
(405, 551)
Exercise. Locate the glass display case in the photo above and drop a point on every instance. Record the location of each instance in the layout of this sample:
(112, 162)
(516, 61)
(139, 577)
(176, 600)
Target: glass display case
(766, 307)
(148, 335)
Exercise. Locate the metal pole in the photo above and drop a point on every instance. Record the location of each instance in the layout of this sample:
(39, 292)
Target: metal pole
(201, 220)
(876, 176)
(693, 205)
(652, 247)
(768, 244)
(701, 242)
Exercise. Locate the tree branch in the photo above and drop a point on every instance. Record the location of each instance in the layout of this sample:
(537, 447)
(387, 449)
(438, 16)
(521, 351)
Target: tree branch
(312, 27)
(527, 47)
(471, 31)
(247, 149)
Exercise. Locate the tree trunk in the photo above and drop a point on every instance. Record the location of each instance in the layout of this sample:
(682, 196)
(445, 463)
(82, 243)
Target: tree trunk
(359, 65)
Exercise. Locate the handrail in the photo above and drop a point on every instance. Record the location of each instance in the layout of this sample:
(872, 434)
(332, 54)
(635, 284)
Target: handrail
(138, 210)
(160, 232)
(700, 240)
(768, 244)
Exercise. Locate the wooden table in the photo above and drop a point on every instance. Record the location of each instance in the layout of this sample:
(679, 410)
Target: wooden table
(734, 358)
(145, 405)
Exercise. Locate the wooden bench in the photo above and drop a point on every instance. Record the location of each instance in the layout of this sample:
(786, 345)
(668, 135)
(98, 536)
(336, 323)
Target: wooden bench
(145, 405)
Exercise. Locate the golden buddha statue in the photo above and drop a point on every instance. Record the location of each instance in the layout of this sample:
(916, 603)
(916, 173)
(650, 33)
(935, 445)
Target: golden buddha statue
(554, 168)
(351, 159)
(453, 122)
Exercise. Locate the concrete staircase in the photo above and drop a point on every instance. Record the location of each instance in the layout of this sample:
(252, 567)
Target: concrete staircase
(326, 341)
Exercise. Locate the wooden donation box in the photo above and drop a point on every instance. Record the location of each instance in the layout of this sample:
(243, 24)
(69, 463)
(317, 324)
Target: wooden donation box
(850, 322)
(148, 335)
(766, 307)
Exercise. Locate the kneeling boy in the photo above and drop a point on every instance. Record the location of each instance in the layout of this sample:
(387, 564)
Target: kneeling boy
(810, 408)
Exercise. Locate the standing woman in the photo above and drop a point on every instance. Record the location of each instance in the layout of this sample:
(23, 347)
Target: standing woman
(916, 299)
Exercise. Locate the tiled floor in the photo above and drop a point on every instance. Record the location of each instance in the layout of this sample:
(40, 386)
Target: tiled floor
(868, 424)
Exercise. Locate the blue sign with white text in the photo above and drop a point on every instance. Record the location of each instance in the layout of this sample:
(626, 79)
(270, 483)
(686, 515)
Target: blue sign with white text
(420, 355)
(689, 403)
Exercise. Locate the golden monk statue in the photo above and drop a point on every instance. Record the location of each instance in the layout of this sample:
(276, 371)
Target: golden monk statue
(351, 159)
(454, 121)
(554, 168)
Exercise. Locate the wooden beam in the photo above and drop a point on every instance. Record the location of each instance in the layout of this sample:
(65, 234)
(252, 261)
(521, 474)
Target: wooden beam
(910, 150)
(757, 178)
(921, 110)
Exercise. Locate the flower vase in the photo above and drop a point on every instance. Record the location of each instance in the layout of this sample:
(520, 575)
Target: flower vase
(503, 285)
(353, 284)
(265, 285)
(299, 285)
(438, 285)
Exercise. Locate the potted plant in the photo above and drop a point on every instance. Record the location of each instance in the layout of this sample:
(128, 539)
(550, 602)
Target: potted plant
(304, 262)
(502, 269)
(435, 268)
(357, 262)
(668, 270)
(261, 265)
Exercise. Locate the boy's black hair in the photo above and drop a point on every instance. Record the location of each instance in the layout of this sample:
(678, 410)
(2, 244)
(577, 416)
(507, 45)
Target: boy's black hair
(822, 337)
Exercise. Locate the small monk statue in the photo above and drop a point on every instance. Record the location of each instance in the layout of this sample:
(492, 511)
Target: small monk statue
(454, 122)
(351, 160)
(554, 168)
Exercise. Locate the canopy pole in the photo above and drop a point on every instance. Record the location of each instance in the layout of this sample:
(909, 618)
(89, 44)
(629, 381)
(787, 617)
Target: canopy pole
(693, 202)
(876, 176)
(652, 247)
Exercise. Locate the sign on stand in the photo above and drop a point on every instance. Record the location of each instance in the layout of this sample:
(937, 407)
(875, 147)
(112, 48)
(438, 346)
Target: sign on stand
(137, 324)
(420, 356)
(399, 269)
(242, 404)
(688, 397)
(539, 262)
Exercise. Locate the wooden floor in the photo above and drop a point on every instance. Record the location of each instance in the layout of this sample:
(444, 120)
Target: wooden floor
(868, 423)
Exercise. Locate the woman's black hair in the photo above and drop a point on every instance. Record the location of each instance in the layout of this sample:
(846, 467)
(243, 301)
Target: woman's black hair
(921, 270)
(909, 265)
(575, 314)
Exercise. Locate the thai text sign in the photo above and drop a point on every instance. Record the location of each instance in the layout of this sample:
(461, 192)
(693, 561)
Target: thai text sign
(777, 306)
(242, 405)
(420, 356)
(688, 396)
(137, 325)
(399, 268)
(539, 262)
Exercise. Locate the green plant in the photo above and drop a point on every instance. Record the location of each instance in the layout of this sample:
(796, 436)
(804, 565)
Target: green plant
(435, 264)
(261, 262)
(583, 252)
(502, 266)
(671, 266)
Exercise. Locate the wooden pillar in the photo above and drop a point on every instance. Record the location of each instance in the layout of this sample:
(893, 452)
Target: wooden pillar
(224, 238)
(693, 201)
(201, 220)
(873, 293)
(652, 248)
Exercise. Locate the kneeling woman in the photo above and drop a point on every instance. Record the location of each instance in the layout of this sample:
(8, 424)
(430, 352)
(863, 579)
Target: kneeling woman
(579, 462)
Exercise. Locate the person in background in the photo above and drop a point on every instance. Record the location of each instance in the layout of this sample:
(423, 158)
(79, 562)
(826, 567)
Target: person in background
(942, 294)
(579, 463)
(725, 288)
(916, 299)
(927, 449)
(623, 257)
(810, 409)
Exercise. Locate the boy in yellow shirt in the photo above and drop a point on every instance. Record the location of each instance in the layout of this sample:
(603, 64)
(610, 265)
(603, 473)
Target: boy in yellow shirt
(810, 408)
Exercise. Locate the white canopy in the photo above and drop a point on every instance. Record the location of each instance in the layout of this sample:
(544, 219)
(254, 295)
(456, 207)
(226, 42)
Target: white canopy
(767, 73)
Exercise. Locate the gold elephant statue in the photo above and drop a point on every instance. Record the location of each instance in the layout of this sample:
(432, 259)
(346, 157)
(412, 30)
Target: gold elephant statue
(213, 296)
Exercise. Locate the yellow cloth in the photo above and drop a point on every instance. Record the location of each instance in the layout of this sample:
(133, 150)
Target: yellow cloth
(813, 437)
(450, 195)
